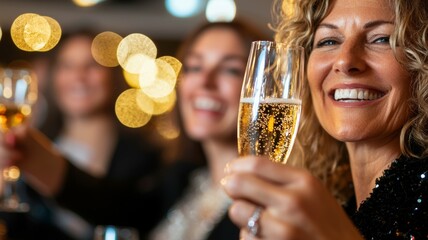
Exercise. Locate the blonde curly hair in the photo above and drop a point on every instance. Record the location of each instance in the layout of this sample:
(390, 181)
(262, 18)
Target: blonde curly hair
(327, 158)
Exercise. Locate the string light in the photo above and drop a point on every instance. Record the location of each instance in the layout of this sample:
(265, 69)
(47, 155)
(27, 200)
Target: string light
(184, 8)
(220, 10)
(87, 3)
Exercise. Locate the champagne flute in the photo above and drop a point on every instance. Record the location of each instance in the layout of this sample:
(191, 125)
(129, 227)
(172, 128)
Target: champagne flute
(270, 103)
(18, 92)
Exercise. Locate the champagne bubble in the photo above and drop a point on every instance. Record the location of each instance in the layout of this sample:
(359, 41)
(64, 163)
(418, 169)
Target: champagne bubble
(133, 49)
(268, 127)
(55, 36)
(37, 32)
(128, 112)
(104, 48)
(17, 31)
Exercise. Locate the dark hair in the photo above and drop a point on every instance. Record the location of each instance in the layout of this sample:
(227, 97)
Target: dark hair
(246, 32)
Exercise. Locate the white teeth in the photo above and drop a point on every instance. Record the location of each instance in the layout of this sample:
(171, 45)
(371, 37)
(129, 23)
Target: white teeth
(355, 94)
(207, 104)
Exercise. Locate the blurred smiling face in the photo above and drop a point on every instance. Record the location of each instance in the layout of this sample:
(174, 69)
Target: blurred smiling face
(82, 86)
(359, 90)
(209, 88)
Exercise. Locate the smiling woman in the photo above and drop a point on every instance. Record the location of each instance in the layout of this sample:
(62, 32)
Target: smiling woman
(363, 129)
(214, 59)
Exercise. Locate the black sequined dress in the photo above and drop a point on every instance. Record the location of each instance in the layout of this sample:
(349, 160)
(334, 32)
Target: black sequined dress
(398, 206)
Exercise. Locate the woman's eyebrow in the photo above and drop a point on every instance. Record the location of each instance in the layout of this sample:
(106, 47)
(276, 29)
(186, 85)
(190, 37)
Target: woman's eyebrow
(234, 58)
(376, 23)
(328, 25)
(369, 24)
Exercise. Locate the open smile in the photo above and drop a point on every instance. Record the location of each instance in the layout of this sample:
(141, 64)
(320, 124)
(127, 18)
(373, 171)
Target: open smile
(207, 104)
(356, 94)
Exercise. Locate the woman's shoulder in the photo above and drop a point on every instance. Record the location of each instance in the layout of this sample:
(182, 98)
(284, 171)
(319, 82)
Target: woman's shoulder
(398, 205)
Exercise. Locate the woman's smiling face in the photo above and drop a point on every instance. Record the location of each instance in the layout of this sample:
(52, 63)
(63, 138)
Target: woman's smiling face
(359, 90)
(210, 86)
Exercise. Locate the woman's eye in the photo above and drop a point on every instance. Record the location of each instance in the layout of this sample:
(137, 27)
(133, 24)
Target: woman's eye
(381, 40)
(192, 69)
(326, 42)
(232, 71)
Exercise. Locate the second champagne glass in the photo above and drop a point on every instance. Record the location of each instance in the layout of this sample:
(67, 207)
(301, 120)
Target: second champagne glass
(271, 102)
(18, 92)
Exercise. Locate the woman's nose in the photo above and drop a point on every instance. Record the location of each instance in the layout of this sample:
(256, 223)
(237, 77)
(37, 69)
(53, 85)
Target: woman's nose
(350, 59)
(208, 78)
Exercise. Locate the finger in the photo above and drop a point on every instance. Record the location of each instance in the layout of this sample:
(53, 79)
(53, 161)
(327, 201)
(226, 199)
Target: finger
(240, 211)
(269, 227)
(261, 166)
(245, 235)
(253, 188)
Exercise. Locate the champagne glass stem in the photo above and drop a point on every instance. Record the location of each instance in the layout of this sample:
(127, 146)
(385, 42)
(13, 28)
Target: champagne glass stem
(10, 199)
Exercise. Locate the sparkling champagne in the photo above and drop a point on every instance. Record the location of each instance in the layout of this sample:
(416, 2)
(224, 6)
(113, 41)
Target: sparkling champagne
(12, 115)
(268, 127)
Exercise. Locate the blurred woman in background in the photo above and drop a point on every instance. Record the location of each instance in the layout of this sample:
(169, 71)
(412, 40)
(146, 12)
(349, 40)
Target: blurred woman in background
(214, 59)
(84, 128)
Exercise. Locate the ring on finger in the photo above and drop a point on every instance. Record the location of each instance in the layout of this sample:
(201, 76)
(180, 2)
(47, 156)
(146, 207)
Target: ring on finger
(253, 222)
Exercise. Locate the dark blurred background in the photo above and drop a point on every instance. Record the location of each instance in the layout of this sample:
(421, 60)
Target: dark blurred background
(149, 17)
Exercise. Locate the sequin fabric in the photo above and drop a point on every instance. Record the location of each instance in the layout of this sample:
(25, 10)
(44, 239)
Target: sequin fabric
(398, 205)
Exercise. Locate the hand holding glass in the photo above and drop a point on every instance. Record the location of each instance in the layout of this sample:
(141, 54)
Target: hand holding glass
(18, 91)
(270, 102)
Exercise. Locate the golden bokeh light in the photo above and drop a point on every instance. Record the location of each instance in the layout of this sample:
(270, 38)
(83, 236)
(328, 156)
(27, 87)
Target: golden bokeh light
(133, 80)
(104, 48)
(152, 80)
(87, 3)
(133, 50)
(166, 127)
(55, 36)
(17, 31)
(164, 104)
(1, 33)
(127, 110)
(26, 110)
(11, 173)
(164, 83)
(174, 62)
(31, 32)
(145, 103)
(37, 32)
(148, 72)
